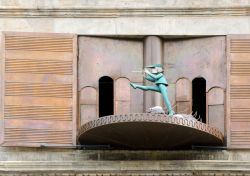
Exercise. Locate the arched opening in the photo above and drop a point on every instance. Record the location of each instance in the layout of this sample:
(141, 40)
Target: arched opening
(199, 98)
(106, 96)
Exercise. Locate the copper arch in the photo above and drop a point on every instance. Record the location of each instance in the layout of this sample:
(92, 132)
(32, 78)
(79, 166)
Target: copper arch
(148, 131)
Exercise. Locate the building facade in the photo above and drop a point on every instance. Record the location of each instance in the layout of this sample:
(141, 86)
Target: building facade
(66, 63)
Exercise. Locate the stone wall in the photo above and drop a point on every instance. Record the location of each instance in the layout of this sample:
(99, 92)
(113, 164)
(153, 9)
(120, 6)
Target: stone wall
(129, 18)
(65, 162)
(132, 17)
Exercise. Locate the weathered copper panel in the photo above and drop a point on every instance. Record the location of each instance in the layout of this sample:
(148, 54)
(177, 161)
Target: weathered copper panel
(196, 57)
(88, 95)
(120, 59)
(215, 114)
(216, 108)
(215, 96)
(88, 104)
(88, 112)
(122, 107)
(122, 89)
(99, 56)
(183, 97)
(122, 96)
(39, 89)
(183, 90)
(136, 106)
(183, 107)
(238, 91)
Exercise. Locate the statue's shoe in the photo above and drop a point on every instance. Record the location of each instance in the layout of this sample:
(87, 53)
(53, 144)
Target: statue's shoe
(133, 85)
(171, 113)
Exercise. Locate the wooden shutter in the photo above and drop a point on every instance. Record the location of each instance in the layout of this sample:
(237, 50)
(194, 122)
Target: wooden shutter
(39, 95)
(238, 91)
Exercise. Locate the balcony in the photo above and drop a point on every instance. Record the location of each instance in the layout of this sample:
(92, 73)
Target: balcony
(148, 131)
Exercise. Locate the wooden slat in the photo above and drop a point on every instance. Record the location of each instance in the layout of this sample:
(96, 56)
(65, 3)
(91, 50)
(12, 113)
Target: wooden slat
(37, 101)
(36, 55)
(38, 112)
(38, 43)
(238, 91)
(240, 68)
(239, 126)
(240, 139)
(39, 89)
(38, 78)
(240, 45)
(38, 136)
(38, 66)
(38, 124)
(240, 114)
(239, 80)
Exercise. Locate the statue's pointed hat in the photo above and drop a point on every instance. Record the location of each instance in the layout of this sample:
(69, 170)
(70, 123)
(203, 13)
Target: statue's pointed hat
(154, 65)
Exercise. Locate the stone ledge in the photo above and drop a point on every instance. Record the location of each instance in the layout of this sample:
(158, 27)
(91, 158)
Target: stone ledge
(125, 166)
(115, 12)
(53, 154)
(121, 3)
(106, 173)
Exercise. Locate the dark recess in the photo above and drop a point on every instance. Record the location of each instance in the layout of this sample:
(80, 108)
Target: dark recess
(106, 96)
(199, 98)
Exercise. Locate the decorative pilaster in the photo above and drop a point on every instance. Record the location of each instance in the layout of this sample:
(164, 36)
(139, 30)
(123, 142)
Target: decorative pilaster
(153, 53)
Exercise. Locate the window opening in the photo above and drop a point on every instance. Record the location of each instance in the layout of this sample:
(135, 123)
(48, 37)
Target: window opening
(199, 99)
(106, 96)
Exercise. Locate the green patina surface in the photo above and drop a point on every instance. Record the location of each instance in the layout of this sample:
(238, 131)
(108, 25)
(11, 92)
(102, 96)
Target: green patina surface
(156, 76)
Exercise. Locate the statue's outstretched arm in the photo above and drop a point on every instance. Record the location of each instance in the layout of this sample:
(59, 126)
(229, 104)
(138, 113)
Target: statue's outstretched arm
(149, 78)
(155, 77)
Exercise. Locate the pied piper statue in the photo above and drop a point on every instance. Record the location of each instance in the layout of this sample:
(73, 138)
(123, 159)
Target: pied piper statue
(156, 75)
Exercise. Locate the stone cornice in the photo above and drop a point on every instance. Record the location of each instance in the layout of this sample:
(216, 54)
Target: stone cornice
(122, 12)
(178, 166)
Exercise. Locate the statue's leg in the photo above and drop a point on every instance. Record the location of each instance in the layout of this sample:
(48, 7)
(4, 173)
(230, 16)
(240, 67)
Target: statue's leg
(164, 92)
(134, 85)
(146, 88)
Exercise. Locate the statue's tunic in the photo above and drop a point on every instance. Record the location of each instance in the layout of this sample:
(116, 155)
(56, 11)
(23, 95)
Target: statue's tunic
(157, 78)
